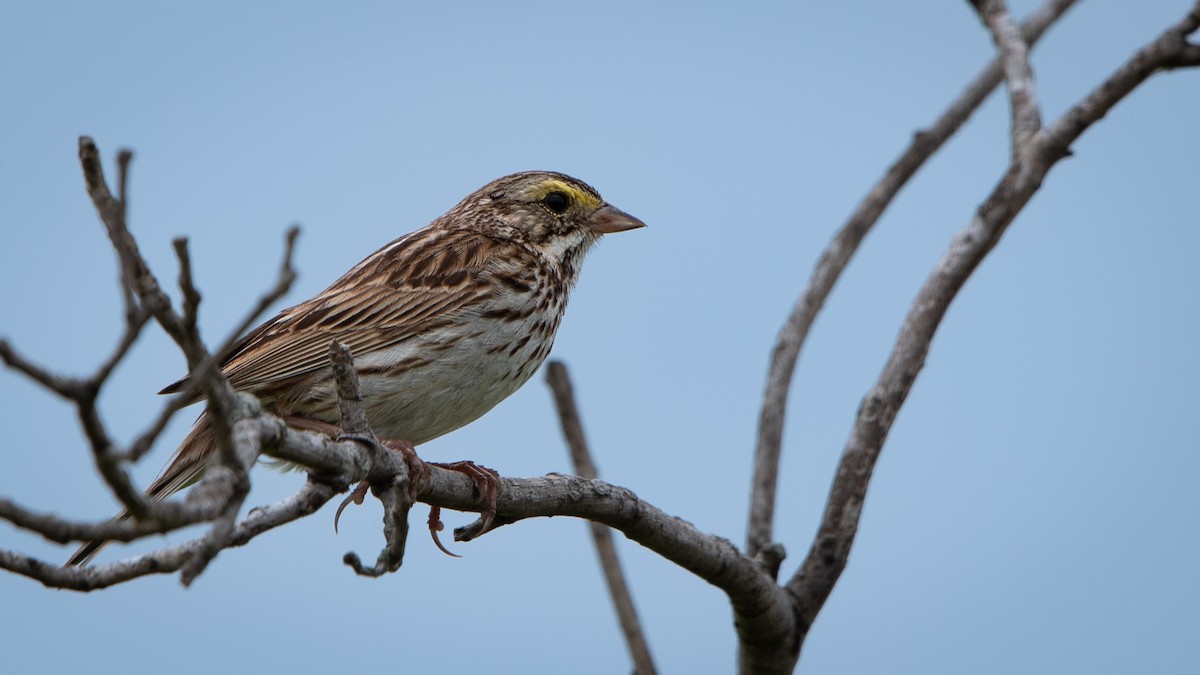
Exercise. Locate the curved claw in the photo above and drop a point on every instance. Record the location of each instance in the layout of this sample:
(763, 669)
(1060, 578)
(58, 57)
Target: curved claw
(435, 526)
(357, 495)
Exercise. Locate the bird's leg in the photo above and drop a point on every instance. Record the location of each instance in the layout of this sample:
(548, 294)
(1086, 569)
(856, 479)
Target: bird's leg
(487, 485)
(486, 481)
(418, 470)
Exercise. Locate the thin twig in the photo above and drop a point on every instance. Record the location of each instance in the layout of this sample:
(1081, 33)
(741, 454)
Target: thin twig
(1018, 75)
(309, 499)
(60, 530)
(130, 301)
(124, 157)
(191, 296)
(134, 323)
(105, 456)
(1169, 51)
(191, 391)
(138, 280)
(135, 274)
(559, 381)
(222, 491)
(67, 387)
(284, 279)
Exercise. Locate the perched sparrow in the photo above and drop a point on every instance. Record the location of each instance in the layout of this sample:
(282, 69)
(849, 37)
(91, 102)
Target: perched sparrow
(443, 323)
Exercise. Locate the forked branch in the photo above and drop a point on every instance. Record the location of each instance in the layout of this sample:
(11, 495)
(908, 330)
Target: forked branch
(833, 262)
(814, 580)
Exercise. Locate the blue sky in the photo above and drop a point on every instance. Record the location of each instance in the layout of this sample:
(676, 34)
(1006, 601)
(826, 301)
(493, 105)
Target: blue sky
(1035, 509)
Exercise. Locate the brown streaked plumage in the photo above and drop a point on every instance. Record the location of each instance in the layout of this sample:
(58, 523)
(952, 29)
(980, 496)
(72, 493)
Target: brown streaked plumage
(444, 322)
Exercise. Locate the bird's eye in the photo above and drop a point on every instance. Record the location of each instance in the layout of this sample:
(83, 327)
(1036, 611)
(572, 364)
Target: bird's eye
(557, 201)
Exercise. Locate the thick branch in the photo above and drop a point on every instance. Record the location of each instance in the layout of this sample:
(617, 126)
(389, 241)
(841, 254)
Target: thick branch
(338, 463)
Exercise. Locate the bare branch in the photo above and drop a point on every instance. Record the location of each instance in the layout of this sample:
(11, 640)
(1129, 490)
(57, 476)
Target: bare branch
(1018, 75)
(342, 462)
(354, 417)
(137, 278)
(191, 296)
(815, 579)
(225, 487)
(311, 497)
(105, 456)
(64, 386)
(1169, 51)
(305, 502)
(135, 321)
(284, 279)
(833, 262)
(135, 274)
(559, 381)
(762, 609)
(57, 529)
(124, 157)
(392, 489)
(712, 558)
(191, 391)
(339, 463)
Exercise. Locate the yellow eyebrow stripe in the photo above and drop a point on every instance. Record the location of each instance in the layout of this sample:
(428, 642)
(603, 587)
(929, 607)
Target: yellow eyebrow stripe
(584, 197)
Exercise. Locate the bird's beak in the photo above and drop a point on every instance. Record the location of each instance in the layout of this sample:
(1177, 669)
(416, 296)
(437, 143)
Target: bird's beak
(608, 219)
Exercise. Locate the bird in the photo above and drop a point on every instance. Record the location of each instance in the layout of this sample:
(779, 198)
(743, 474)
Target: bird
(443, 323)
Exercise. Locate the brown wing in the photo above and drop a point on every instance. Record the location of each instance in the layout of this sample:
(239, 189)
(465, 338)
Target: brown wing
(413, 284)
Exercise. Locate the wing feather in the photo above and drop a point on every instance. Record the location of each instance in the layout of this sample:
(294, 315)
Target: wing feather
(414, 284)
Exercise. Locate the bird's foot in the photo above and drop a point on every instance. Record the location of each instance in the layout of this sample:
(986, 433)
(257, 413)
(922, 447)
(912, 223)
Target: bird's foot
(418, 471)
(486, 481)
(487, 488)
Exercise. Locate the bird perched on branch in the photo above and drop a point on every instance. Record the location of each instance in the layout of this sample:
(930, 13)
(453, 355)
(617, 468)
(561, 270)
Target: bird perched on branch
(443, 323)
